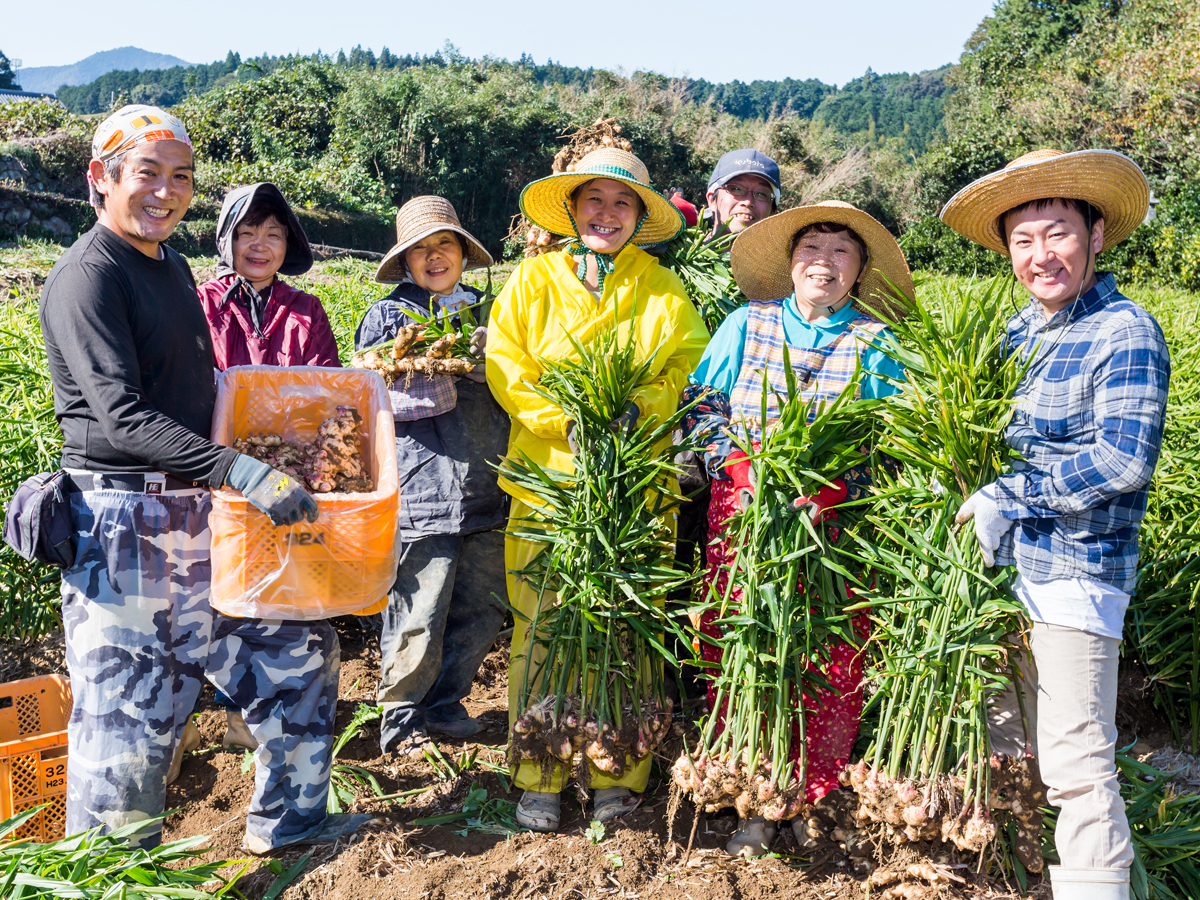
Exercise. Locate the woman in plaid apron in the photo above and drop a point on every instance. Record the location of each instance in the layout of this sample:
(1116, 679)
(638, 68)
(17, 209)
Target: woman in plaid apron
(831, 264)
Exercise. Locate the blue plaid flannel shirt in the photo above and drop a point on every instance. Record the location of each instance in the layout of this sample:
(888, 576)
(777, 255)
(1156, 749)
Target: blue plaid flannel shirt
(1088, 427)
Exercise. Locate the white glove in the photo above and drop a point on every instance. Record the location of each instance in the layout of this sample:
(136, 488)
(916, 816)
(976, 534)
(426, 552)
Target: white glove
(990, 526)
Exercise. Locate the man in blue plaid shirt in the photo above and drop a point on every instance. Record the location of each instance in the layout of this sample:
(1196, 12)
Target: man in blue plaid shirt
(1087, 429)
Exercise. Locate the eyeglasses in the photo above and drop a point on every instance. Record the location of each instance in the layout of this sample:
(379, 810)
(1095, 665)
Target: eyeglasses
(739, 193)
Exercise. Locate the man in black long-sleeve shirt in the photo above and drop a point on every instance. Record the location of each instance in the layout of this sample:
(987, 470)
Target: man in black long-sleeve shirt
(131, 361)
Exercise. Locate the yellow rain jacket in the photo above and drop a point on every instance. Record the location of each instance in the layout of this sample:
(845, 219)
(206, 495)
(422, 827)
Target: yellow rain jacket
(543, 302)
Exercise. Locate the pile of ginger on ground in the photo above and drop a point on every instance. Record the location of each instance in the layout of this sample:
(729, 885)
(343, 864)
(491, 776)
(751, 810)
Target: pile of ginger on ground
(332, 462)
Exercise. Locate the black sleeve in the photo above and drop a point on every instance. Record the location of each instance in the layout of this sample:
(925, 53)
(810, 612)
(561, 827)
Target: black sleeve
(90, 321)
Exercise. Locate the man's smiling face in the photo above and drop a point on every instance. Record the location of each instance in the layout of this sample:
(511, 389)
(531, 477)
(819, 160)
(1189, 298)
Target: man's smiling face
(742, 201)
(153, 193)
(1053, 255)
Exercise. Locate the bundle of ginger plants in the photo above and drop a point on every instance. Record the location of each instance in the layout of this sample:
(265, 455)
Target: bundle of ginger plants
(945, 625)
(785, 605)
(592, 681)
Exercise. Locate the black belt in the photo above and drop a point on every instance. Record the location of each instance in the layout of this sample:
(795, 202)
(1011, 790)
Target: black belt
(137, 482)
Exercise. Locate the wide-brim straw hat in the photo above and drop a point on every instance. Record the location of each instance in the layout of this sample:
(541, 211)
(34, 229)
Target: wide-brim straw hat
(418, 219)
(1109, 181)
(761, 258)
(546, 202)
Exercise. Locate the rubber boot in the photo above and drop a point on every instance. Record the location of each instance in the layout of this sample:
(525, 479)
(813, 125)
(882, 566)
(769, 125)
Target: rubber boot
(1089, 884)
(237, 732)
(188, 741)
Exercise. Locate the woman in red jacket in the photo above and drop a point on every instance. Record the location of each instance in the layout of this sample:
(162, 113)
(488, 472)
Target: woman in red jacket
(255, 317)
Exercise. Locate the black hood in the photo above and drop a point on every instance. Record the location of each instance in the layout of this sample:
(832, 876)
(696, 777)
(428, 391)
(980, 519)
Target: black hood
(299, 258)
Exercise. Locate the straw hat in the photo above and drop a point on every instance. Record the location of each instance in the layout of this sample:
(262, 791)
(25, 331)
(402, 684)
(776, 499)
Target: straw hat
(545, 202)
(416, 220)
(761, 257)
(1109, 181)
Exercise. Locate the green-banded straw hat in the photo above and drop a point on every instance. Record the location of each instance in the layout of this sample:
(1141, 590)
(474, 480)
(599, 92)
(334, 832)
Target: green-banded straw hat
(546, 202)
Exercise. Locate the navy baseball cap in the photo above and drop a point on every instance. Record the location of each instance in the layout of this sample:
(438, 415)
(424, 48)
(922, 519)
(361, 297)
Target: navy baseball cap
(744, 162)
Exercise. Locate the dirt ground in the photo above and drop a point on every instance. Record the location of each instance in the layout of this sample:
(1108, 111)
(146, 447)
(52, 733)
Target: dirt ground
(395, 859)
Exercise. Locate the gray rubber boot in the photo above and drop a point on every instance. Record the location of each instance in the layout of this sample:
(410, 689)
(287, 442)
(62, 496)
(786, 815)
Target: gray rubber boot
(1089, 884)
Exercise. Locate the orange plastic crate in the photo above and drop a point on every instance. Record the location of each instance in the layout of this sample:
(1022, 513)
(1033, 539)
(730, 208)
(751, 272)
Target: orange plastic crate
(33, 754)
(343, 563)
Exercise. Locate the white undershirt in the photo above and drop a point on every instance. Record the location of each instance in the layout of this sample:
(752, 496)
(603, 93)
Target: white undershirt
(1080, 603)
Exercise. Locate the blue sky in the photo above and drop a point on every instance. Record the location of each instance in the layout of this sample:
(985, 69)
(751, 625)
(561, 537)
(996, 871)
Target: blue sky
(833, 40)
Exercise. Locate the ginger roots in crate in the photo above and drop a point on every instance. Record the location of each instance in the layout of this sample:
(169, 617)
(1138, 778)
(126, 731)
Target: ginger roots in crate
(330, 463)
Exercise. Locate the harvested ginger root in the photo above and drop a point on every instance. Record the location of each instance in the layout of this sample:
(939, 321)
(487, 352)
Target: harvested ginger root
(331, 463)
(405, 358)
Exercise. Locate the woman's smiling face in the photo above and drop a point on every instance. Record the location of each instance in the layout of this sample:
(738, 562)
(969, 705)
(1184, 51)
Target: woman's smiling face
(435, 263)
(825, 268)
(606, 213)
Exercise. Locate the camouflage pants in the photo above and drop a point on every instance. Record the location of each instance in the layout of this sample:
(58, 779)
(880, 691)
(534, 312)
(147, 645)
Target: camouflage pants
(141, 638)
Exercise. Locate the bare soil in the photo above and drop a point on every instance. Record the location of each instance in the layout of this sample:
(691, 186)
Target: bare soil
(643, 856)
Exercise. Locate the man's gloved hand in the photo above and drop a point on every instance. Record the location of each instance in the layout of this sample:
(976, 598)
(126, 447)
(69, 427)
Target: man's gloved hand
(572, 439)
(627, 420)
(741, 473)
(818, 504)
(279, 495)
(990, 526)
(478, 341)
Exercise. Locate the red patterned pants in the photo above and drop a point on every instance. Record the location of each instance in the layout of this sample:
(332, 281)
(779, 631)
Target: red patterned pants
(831, 716)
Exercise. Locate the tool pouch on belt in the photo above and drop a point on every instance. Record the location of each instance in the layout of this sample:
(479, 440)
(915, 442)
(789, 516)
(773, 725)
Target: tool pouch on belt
(37, 523)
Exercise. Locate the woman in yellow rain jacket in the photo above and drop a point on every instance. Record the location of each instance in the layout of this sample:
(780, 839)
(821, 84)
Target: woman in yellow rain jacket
(602, 278)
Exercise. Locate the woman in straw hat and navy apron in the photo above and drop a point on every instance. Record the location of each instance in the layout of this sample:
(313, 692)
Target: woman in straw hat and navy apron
(606, 205)
(814, 275)
(444, 610)
(1086, 431)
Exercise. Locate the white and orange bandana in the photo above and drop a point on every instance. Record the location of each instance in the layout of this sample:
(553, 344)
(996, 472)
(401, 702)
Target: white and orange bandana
(133, 125)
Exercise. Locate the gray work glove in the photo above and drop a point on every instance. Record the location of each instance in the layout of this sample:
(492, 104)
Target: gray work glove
(478, 342)
(626, 421)
(279, 495)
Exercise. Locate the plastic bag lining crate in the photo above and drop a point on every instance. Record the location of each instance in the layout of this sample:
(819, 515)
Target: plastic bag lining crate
(33, 754)
(343, 563)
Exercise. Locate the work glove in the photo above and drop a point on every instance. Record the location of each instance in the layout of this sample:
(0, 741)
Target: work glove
(990, 526)
(627, 420)
(279, 495)
(741, 474)
(817, 505)
(624, 422)
(478, 342)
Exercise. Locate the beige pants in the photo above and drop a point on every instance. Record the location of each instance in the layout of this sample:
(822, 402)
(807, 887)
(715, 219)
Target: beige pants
(1070, 695)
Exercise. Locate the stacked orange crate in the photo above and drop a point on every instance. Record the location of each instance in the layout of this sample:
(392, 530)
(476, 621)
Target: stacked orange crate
(33, 754)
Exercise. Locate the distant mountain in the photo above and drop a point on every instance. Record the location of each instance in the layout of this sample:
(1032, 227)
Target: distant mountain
(51, 78)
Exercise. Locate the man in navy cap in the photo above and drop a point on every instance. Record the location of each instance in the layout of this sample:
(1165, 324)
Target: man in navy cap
(743, 188)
